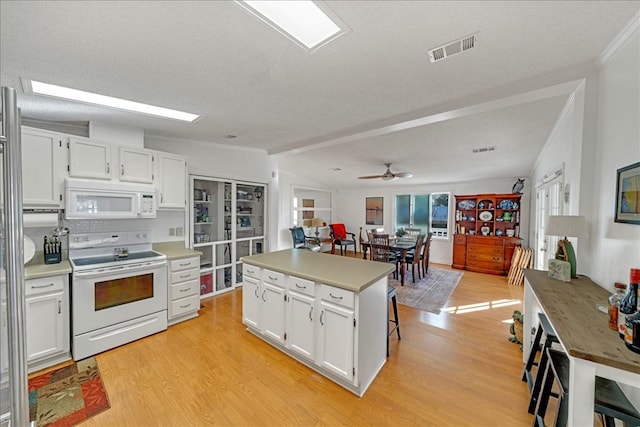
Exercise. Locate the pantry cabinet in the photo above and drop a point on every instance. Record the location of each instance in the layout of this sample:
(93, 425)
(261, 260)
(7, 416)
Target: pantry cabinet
(47, 321)
(44, 167)
(301, 317)
(227, 222)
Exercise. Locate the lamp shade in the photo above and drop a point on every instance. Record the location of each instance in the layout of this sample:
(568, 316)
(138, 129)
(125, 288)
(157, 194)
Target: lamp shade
(316, 222)
(567, 226)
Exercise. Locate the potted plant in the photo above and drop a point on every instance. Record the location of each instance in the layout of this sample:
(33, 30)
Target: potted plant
(401, 232)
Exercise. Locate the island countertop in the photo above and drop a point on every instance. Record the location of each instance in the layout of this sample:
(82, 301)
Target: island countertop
(348, 273)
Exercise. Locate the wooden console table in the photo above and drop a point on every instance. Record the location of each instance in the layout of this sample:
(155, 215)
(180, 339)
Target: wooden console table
(583, 331)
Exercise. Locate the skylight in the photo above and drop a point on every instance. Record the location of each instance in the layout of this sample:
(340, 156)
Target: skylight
(39, 88)
(302, 21)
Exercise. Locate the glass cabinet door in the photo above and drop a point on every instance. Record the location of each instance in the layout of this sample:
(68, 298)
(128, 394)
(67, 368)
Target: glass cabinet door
(228, 223)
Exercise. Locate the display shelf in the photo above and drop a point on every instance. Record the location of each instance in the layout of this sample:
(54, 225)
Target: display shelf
(487, 230)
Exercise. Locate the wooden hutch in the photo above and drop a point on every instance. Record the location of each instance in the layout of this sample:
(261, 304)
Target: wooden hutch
(487, 231)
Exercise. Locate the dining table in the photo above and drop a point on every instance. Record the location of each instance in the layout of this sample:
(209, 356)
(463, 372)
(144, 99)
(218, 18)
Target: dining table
(400, 245)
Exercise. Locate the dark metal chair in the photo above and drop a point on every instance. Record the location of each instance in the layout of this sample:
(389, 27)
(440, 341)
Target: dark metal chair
(301, 241)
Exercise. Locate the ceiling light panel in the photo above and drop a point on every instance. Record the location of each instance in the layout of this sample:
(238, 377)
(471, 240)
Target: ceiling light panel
(309, 24)
(39, 88)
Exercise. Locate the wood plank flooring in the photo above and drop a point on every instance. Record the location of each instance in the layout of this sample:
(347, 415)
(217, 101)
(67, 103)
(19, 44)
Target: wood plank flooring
(451, 369)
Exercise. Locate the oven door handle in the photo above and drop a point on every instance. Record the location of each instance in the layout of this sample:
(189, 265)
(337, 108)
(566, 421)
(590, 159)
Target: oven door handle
(120, 268)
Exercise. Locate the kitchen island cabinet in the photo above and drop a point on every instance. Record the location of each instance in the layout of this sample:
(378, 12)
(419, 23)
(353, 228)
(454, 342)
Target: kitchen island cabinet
(328, 312)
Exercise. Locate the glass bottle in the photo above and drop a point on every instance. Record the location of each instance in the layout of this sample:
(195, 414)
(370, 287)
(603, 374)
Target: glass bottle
(614, 304)
(629, 303)
(632, 337)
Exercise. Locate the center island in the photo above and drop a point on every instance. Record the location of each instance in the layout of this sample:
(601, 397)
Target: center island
(326, 311)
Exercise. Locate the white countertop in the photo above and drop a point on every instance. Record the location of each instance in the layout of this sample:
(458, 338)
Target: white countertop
(348, 273)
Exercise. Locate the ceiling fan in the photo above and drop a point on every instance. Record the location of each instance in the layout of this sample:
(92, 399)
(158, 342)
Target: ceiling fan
(388, 175)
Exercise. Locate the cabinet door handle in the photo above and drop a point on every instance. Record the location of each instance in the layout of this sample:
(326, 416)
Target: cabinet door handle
(263, 292)
(310, 313)
(256, 293)
(185, 264)
(185, 290)
(300, 287)
(41, 286)
(108, 168)
(122, 170)
(273, 278)
(185, 306)
(335, 297)
(185, 276)
(161, 198)
(321, 313)
(59, 307)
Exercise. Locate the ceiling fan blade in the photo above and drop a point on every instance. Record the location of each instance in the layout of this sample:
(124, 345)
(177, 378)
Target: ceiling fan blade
(370, 177)
(404, 175)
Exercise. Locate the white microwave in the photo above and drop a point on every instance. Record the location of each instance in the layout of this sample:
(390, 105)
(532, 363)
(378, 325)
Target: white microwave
(87, 199)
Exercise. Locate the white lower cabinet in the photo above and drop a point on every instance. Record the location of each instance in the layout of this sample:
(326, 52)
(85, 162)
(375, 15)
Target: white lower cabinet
(317, 324)
(336, 339)
(301, 321)
(184, 289)
(47, 320)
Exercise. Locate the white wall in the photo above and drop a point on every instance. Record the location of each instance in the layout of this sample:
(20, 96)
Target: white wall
(350, 207)
(220, 161)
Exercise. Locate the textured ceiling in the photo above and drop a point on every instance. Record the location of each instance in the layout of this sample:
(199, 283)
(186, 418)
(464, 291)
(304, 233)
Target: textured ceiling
(244, 78)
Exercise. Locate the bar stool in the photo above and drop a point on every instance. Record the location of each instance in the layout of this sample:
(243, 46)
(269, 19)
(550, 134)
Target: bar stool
(544, 327)
(391, 294)
(610, 401)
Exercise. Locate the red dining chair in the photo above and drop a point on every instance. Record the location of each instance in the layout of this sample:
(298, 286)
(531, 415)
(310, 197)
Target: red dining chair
(339, 236)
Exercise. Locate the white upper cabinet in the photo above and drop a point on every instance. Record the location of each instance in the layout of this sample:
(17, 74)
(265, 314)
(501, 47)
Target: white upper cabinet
(89, 158)
(136, 165)
(44, 168)
(172, 181)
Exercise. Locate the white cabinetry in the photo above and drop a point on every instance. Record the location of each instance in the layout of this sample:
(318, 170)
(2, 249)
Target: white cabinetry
(47, 320)
(172, 181)
(337, 332)
(301, 317)
(89, 158)
(136, 165)
(184, 289)
(337, 324)
(44, 167)
(272, 308)
(251, 296)
(4, 346)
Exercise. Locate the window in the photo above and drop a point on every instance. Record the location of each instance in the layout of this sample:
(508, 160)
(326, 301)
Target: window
(309, 205)
(429, 212)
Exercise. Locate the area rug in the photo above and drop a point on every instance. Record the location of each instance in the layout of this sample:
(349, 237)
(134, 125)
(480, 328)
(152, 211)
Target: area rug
(67, 396)
(429, 293)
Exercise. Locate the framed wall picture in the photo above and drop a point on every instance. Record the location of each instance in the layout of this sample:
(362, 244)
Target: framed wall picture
(308, 203)
(628, 194)
(374, 209)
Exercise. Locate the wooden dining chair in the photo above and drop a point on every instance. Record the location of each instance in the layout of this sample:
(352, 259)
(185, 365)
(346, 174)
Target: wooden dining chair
(413, 232)
(381, 252)
(425, 254)
(415, 258)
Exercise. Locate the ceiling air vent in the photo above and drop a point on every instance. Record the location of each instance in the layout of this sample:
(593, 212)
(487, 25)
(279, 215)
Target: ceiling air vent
(453, 48)
(484, 149)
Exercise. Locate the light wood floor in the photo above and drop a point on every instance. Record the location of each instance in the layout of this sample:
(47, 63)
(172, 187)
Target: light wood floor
(448, 370)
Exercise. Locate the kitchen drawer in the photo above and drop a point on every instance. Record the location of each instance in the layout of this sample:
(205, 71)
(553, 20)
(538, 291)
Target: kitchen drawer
(302, 286)
(183, 276)
(487, 250)
(251, 271)
(185, 289)
(184, 264)
(337, 296)
(43, 285)
(184, 305)
(273, 277)
(485, 240)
